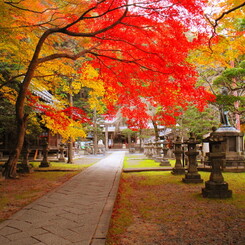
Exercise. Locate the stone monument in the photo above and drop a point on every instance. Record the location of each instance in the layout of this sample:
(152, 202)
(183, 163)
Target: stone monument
(233, 143)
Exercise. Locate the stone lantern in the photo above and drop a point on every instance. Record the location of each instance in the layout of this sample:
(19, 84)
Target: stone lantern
(45, 163)
(192, 176)
(216, 187)
(62, 156)
(165, 161)
(158, 148)
(178, 168)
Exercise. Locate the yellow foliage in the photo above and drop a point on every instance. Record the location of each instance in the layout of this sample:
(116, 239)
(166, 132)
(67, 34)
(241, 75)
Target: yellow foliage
(73, 130)
(10, 94)
(230, 44)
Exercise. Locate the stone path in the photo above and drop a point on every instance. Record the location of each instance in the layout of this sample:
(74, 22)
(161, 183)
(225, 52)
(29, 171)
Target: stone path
(77, 212)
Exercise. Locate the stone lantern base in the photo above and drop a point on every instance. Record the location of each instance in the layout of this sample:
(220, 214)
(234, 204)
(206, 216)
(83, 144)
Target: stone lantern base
(192, 178)
(216, 190)
(178, 171)
(44, 164)
(25, 168)
(165, 162)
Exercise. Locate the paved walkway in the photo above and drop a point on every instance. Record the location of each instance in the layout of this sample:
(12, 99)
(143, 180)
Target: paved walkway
(77, 212)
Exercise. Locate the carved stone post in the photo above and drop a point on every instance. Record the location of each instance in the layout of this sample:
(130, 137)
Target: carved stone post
(45, 163)
(192, 176)
(216, 187)
(178, 168)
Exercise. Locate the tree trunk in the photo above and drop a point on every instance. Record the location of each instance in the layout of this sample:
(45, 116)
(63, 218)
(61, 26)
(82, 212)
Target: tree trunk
(10, 166)
(21, 118)
(70, 151)
(95, 141)
(70, 141)
(129, 140)
(155, 130)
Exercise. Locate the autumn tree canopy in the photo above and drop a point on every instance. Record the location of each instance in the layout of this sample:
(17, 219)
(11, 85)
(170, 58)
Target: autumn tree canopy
(220, 60)
(139, 49)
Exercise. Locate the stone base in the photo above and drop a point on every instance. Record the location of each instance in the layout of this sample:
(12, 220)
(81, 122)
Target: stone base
(178, 171)
(165, 162)
(157, 159)
(62, 159)
(44, 165)
(216, 190)
(131, 150)
(25, 168)
(192, 178)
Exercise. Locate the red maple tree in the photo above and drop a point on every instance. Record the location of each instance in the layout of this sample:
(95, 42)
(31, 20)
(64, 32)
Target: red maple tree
(139, 46)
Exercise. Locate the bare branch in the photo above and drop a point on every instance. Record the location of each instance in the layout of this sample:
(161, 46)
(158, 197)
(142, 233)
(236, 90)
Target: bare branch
(135, 61)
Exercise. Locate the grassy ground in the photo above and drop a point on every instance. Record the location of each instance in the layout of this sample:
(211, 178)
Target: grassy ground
(59, 166)
(158, 208)
(140, 161)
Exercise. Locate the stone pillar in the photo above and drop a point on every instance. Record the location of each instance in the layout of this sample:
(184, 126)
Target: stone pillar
(216, 187)
(192, 176)
(45, 163)
(178, 168)
(62, 155)
(165, 161)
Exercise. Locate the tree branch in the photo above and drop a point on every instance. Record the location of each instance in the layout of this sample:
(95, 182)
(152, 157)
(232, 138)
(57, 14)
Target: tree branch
(14, 5)
(215, 24)
(93, 34)
(66, 55)
(11, 80)
(227, 12)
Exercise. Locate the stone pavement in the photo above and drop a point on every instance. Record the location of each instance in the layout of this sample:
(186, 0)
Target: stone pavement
(78, 212)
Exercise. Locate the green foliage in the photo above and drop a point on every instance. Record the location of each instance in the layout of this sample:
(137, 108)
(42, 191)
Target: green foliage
(232, 79)
(7, 122)
(200, 123)
(128, 132)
